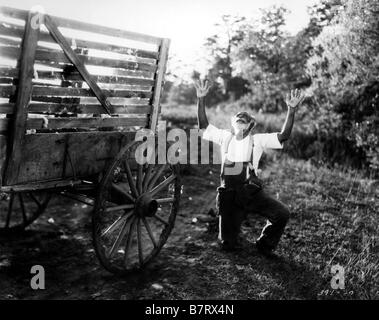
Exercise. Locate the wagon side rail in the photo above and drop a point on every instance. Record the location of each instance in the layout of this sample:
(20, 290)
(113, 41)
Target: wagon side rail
(66, 85)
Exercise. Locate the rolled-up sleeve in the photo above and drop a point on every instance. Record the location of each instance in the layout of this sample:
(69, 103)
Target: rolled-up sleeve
(269, 140)
(216, 135)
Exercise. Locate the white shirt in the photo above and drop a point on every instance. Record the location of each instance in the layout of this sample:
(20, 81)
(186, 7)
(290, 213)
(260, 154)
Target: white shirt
(238, 150)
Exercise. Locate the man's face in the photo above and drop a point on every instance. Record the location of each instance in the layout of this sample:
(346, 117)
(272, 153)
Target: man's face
(241, 121)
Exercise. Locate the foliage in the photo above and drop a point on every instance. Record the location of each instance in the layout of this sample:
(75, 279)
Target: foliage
(335, 58)
(265, 57)
(220, 47)
(181, 94)
(344, 70)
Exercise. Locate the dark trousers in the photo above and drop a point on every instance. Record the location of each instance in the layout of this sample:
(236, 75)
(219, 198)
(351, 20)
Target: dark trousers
(234, 204)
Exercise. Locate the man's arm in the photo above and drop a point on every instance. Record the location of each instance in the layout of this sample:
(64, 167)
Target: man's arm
(293, 100)
(202, 88)
(202, 119)
(287, 127)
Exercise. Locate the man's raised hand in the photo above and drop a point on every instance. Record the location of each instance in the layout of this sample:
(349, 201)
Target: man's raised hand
(295, 98)
(202, 87)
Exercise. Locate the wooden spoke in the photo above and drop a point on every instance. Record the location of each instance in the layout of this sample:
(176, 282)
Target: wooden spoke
(121, 207)
(17, 218)
(31, 195)
(146, 179)
(151, 235)
(160, 219)
(120, 236)
(114, 225)
(10, 209)
(156, 176)
(129, 240)
(163, 184)
(139, 179)
(165, 200)
(123, 193)
(149, 169)
(139, 242)
(130, 179)
(22, 205)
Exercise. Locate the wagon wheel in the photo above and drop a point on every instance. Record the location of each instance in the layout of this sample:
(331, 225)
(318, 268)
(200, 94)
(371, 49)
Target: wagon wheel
(135, 211)
(19, 209)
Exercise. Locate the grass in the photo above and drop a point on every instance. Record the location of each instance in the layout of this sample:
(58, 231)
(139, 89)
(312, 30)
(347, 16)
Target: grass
(337, 212)
(333, 221)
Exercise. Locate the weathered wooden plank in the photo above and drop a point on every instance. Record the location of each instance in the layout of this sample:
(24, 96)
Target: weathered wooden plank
(9, 72)
(67, 122)
(13, 82)
(57, 58)
(83, 26)
(55, 108)
(9, 42)
(81, 108)
(49, 156)
(143, 56)
(7, 108)
(115, 75)
(17, 132)
(6, 80)
(8, 90)
(10, 52)
(159, 81)
(42, 185)
(75, 78)
(3, 153)
(4, 123)
(12, 30)
(79, 92)
(129, 73)
(92, 100)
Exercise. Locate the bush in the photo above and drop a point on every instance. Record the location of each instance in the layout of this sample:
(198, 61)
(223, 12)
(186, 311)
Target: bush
(345, 70)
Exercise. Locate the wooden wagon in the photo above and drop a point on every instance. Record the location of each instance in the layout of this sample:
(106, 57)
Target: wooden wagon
(72, 97)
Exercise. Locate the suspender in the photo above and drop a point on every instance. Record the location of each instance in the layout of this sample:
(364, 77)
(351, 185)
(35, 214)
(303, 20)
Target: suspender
(226, 147)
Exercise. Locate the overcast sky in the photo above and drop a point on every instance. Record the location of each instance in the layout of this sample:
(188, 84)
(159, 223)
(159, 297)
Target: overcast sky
(186, 22)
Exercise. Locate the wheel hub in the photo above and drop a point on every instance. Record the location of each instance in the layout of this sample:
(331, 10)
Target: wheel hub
(146, 206)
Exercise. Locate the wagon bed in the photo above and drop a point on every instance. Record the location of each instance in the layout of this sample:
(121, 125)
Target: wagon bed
(72, 96)
(35, 65)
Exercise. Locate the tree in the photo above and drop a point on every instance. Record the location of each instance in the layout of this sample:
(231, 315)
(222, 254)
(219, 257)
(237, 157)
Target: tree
(220, 46)
(263, 58)
(345, 72)
(321, 14)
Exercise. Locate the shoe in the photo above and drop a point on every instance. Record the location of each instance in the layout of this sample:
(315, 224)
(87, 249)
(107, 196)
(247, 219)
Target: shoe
(229, 248)
(265, 251)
